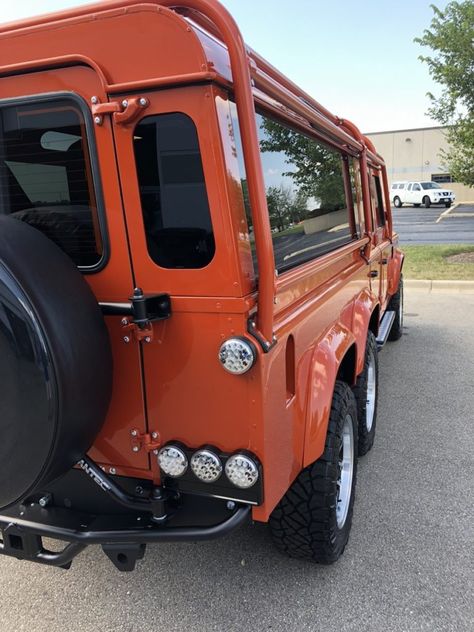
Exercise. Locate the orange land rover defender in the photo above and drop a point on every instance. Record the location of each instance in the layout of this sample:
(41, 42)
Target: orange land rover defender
(197, 267)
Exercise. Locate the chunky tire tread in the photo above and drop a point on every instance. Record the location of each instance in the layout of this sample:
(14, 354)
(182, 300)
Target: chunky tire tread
(366, 438)
(394, 305)
(304, 525)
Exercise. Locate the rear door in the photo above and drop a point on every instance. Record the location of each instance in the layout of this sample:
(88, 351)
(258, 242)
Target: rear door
(416, 193)
(181, 240)
(58, 173)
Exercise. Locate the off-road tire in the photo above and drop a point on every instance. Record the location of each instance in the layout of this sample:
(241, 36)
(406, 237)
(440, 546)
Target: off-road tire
(304, 523)
(366, 429)
(426, 202)
(447, 204)
(397, 202)
(396, 305)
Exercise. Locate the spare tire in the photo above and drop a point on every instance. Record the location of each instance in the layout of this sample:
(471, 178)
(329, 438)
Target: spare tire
(55, 362)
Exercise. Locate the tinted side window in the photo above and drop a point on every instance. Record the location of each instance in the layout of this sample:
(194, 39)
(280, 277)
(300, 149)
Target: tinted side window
(310, 189)
(173, 192)
(377, 200)
(45, 176)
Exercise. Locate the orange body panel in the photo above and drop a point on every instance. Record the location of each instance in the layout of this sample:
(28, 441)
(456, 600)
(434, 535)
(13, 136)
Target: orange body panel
(318, 312)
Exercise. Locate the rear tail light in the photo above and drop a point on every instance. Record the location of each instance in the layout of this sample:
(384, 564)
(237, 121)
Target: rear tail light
(241, 470)
(206, 466)
(172, 460)
(237, 355)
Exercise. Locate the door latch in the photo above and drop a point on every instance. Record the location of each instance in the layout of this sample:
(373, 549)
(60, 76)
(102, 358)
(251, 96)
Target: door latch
(146, 309)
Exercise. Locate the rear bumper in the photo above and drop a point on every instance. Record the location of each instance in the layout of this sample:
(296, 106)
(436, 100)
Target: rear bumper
(122, 532)
(22, 538)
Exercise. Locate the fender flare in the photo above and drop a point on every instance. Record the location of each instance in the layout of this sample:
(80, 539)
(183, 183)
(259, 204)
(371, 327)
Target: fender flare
(395, 271)
(366, 316)
(328, 354)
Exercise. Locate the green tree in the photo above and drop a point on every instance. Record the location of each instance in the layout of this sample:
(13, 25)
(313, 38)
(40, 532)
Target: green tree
(318, 170)
(451, 38)
(279, 201)
(299, 207)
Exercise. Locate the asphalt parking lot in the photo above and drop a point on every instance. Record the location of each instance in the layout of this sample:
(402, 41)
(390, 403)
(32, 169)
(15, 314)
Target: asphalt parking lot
(417, 226)
(410, 559)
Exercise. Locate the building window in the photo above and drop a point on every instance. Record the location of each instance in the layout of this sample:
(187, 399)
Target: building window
(173, 192)
(441, 178)
(45, 176)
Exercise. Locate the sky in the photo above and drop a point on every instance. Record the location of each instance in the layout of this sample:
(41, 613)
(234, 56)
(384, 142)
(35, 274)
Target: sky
(356, 57)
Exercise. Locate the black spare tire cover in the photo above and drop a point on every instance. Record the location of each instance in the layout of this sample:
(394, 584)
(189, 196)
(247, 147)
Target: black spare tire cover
(55, 362)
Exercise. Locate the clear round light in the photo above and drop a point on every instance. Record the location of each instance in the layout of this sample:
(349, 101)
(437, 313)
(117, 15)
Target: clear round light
(172, 460)
(237, 355)
(206, 466)
(241, 471)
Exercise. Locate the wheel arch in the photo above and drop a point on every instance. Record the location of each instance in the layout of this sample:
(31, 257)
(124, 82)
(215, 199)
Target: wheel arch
(395, 271)
(366, 317)
(335, 357)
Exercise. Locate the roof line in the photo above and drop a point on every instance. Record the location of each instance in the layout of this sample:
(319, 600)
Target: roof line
(412, 129)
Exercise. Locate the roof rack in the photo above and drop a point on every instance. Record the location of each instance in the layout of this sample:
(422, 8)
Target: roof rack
(250, 69)
(266, 77)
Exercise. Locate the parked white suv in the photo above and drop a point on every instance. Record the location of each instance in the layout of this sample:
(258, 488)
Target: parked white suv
(417, 193)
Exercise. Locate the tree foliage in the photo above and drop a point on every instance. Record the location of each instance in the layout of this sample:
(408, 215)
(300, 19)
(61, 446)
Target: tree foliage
(318, 168)
(451, 38)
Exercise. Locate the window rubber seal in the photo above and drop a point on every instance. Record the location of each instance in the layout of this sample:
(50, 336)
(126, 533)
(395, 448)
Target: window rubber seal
(82, 105)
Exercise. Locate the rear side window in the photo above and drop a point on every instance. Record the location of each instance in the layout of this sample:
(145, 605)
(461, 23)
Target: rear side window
(311, 192)
(377, 201)
(173, 193)
(46, 176)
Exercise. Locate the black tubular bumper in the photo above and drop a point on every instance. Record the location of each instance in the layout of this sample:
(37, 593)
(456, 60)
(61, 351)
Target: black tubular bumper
(123, 515)
(121, 539)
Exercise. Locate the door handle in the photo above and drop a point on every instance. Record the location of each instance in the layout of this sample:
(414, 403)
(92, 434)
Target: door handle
(373, 274)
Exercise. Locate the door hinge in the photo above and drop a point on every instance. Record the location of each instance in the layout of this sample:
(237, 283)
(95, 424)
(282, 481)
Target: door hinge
(123, 112)
(149, 441)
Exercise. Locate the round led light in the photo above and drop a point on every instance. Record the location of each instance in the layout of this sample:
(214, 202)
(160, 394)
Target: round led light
(241, 471)
(206, 466)
(172, 460)
(237, 355)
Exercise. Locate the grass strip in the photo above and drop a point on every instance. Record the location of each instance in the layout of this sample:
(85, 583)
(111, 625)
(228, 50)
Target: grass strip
(431, 262)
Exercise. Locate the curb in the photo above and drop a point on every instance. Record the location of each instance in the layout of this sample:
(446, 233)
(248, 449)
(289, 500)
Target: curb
(449, 212)
(433, 286)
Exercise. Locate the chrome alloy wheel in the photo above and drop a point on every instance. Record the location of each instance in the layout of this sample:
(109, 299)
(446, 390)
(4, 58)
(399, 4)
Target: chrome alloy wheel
(346, 471)
(371, 393)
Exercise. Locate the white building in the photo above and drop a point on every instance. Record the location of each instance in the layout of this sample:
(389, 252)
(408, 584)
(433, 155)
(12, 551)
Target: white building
(414, 154)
